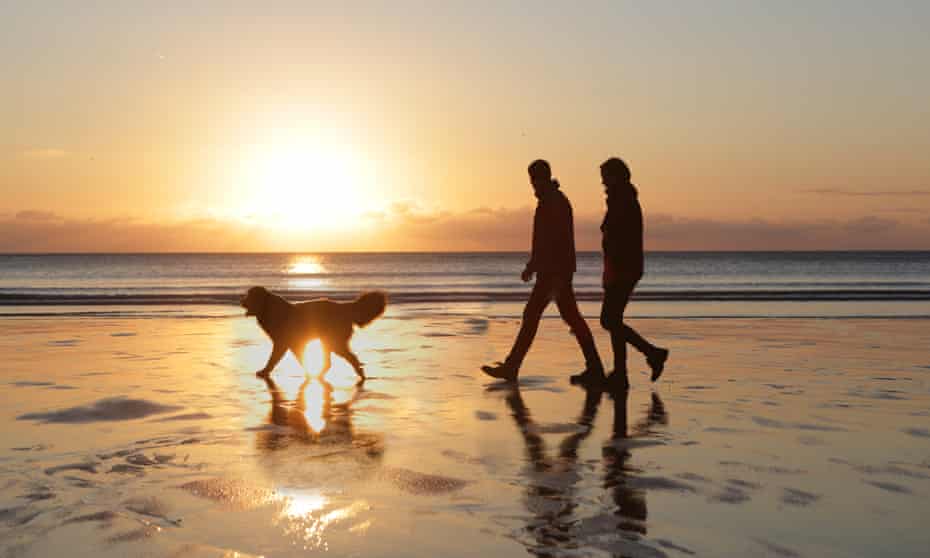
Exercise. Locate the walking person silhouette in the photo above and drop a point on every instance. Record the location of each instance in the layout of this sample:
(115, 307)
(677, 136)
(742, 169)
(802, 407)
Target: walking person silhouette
(622, 242)
(553, 262)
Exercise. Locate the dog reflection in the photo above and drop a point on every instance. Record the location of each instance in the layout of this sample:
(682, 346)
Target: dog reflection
(319, 415)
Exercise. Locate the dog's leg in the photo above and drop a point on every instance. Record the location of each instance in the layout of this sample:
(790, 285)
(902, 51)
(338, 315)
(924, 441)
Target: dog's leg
(299, 351)
(327, 359)
(350, 357)
(277, 352)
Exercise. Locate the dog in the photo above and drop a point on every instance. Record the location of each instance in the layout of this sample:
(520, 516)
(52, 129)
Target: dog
(293, 325)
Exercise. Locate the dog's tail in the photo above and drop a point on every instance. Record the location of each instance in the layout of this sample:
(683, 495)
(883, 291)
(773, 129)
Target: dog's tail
(367, 307)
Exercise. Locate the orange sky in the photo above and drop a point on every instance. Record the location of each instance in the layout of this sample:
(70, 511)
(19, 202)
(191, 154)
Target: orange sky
(296, 126)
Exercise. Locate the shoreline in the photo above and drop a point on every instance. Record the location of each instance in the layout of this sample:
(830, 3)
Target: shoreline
(638, 310)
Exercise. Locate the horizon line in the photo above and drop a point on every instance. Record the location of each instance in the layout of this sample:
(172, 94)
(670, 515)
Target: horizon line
(413, 252)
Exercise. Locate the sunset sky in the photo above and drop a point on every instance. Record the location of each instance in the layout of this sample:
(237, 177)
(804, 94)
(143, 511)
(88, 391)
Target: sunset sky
(302, 126)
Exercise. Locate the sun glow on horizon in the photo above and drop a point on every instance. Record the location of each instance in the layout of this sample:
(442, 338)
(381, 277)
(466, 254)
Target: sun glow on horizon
(303, 185)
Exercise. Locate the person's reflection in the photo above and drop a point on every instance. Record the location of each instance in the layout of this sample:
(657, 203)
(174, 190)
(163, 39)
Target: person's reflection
(319, 414)
(551, 482)
(630, 501)
(550, 494)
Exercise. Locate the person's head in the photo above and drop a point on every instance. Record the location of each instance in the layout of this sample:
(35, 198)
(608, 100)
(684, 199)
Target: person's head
(614, 172)
(540, 176)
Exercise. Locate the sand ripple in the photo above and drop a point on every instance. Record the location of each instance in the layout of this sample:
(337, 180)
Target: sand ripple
(109, 409)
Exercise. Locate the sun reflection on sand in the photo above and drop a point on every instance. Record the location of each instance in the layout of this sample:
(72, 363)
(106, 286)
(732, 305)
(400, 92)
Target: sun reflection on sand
(302, 516)
(300, 504)
(315, 401)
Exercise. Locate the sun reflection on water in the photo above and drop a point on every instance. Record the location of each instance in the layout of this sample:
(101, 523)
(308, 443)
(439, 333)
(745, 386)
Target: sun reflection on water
(304, 272)
(306, 265)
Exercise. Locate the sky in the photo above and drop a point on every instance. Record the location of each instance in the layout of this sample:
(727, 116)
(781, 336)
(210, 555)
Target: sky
(304, 126)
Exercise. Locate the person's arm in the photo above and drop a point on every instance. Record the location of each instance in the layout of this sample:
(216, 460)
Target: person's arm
(613, 247)
(609, 275)
(535, 246)
(563, 235)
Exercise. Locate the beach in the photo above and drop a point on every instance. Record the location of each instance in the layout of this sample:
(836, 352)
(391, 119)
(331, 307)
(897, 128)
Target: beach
(204, 203)
(151, 436)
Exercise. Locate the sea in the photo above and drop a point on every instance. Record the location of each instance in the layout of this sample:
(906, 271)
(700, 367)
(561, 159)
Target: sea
(676, 284)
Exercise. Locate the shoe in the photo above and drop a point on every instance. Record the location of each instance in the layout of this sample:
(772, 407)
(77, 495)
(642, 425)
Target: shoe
(501, 371)
(656, 361)
(618, 381)
(592, 376)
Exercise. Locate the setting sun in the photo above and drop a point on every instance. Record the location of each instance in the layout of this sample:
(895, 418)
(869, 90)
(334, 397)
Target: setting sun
(302, 186)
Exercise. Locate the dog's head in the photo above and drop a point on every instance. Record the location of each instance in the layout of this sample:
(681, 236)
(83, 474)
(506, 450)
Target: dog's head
(254, 301)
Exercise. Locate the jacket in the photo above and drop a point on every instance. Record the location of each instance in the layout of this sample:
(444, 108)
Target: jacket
(553, 236)
(622, 233)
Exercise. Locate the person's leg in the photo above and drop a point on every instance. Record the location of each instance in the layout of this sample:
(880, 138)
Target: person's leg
(532, 313)
(618, 342)
(637, 340)
(616, 297)
(655, 356)
(535, 306)
(615, 301)
(568, 309)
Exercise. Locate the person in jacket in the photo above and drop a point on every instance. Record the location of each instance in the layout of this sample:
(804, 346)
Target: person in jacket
(553, 262)
(622, 243)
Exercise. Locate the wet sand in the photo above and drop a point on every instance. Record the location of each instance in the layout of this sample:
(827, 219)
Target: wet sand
(766, 437)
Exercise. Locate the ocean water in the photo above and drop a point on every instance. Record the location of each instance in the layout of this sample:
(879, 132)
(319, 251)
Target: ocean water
(676, 284)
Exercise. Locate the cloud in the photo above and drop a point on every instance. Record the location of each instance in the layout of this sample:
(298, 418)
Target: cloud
(33, 215)
(666, 232)
(478, 229)
(41, 231)
(408, 227)
(412, 212)
(860, 193)
(903, 210)
(871, 224)
(510, 229)
(43, 153)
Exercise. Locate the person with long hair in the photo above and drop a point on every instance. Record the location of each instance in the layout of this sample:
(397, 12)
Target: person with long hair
(622, 243)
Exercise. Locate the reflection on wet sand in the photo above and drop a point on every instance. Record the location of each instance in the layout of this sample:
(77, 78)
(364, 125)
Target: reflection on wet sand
(630, 501)
(317, 425)
(844, 432)
(551, 482)
(320, 414)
